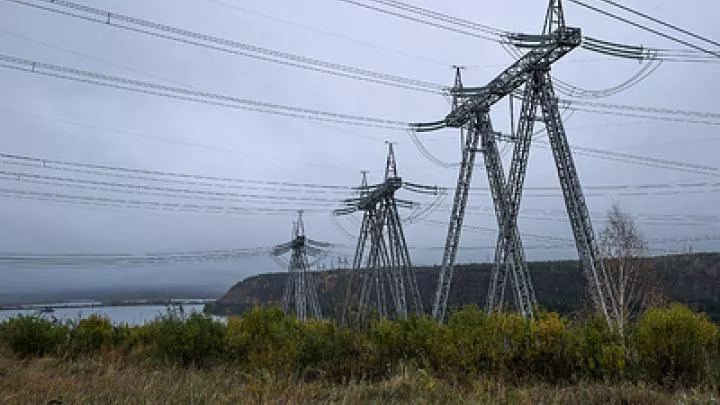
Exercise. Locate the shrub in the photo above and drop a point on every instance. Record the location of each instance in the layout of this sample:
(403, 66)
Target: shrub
(265, 339)
(33, 335)
(546, 354)
(466, 337)
(420, 337)
(195, 340)
(321, 350)
(595, 351)
(482, 343)
(508, 339)
(386, 347)
(674, 345)
(93, 334)
(670, 346)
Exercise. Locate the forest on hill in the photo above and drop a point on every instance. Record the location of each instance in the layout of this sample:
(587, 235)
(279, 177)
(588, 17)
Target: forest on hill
(691, 279)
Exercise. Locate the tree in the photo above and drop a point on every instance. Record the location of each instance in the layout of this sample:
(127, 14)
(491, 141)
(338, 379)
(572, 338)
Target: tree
(632, 278)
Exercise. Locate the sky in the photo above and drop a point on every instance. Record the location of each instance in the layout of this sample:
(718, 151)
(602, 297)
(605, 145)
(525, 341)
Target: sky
(50, 118)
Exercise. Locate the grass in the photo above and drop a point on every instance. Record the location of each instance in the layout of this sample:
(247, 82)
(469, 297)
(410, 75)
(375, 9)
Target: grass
(669, 356)
(112, 380)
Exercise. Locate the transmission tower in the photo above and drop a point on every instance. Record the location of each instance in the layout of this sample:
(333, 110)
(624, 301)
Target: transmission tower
(382, 260)
(300, 295)
(471, 112)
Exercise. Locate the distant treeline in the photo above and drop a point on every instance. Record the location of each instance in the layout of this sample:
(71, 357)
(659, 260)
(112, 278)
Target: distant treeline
(671, 346)
(692, 279)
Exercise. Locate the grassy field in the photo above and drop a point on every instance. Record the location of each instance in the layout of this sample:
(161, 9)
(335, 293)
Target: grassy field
(112, 381)
(669, 355)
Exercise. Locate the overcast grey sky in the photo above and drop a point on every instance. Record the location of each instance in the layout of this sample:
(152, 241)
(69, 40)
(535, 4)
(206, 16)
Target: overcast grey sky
(248, 145)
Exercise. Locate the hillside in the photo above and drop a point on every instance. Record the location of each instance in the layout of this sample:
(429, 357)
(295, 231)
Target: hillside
(693, 279)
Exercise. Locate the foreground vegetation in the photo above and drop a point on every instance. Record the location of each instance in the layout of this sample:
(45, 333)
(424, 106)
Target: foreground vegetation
(667, 355)
(110, 381)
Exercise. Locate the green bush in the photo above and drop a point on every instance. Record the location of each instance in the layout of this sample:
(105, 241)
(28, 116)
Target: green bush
(669, 346)
(546, 355)
(33, 335)
(478, 343)
(595, 351)
(674, 345)
(507, 349)
(265, 339)
(93, 334)
(466, 350)
(196, 340)
(320, 350)
(418, 340)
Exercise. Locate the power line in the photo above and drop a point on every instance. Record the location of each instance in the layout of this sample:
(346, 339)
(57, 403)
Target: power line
(503, 37)
(158, 30)
(646, 28)
(327, 33)
(494, 231)
(441, 16)
(653, 110)
(607, 155)
(623, 187)
(276, 199)
(147, 204)
(647, 69)
(643, 160)
(93, 58)
(202, 180)
(174, 193)
(647, 219)
(651, 117)
(82, 76)
(30, 66)
(576, 91)
(88, 77)
(426, 22)
(19, 260)
(174, 181)
(661, 22)
(568, 242)
(188, 178)
(89, 57)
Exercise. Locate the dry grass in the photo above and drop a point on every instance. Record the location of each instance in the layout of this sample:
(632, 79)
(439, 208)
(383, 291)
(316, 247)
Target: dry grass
(108, 381)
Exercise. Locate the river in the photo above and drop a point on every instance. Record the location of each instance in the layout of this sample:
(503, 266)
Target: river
(131, 315)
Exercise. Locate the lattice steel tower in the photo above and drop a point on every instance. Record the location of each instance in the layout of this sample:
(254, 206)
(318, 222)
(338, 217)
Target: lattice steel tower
(471, 111)
(300, 295)
(387, 282)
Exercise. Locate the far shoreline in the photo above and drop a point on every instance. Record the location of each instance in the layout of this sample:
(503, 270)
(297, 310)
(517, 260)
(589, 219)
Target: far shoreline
(100, 304)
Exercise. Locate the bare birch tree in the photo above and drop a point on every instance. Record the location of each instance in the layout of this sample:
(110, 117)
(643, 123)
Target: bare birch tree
(632, 278)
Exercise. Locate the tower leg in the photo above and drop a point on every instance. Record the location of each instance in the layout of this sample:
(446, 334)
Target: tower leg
(357, 276)
(406, 270)
(592, 265)
(479, 123)
(289, 290)
(510, 255)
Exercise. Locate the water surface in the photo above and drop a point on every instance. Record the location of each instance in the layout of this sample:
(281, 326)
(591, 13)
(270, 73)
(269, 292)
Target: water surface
(131, 315)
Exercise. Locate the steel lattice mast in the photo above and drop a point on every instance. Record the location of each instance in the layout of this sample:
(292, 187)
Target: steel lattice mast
(300, 295)
(470, 111)
(509, 253)
(387, 284)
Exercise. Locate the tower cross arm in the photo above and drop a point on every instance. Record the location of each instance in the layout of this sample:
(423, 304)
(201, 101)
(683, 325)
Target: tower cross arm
(380, 192)
(555, 46)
